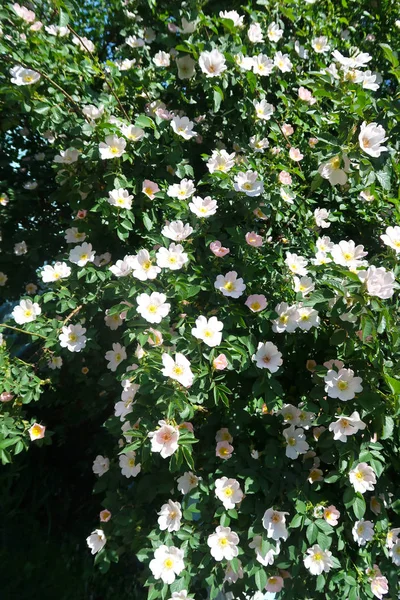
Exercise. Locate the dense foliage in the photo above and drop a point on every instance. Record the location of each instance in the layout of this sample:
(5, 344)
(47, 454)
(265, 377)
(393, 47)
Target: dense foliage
(200, 232)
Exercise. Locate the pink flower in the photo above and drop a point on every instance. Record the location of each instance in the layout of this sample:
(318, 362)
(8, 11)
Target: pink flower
(224, 450)
(379, 587)
(295, 154)
(256, 302)
(217, 249)
(285, 178)
(287, 129)
(306, 95)
(331, 515)
(253, 239)
(220, 363)
(165, 439)
(81, 214)
(6, 397)
(155, 338)
(105, 516)
(312, 142)
(150, 188)
(36, 432)
(274, 584)
(172, 28)
(187, 425)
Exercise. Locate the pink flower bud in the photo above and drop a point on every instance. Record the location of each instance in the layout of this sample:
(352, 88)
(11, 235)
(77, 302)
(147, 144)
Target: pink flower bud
(220, 363)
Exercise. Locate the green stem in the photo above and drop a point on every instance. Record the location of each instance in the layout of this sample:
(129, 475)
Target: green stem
(23, 331)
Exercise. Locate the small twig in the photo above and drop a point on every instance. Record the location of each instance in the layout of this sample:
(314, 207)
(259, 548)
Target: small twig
(23, 331)
(96, 60)
(34, 68)
(72, 314)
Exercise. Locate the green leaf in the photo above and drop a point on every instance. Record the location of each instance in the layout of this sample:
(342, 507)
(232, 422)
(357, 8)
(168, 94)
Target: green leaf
(218, 97)
(63, 18)
(312, 532)
(143, 121)
(260, 579)
(359, 506)
(147, 222)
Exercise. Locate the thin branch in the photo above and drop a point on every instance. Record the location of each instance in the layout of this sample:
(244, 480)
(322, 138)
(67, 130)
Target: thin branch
(96, 60)
(72, 314)
(23, 331)
(76, 106)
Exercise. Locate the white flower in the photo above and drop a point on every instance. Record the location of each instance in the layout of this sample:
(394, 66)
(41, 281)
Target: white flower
(183, 127)
(248, 183)
(290, 414)
(379, 282)
(170, 516)
(230, 285)
(324, 244)
(232, 15)
(317, 560)
(370, 139)
(67, 157)
(274, 522)
(362, 478)
(165, 439)
(331, 170)
(264, 110)
(120, 198)
(24, 13)
(72, 235)
(134, 42)
(320, 216)
(258, 144)
(167, 563)
(262, 65)
(358, 59)
(394, 553)
(379, 586)
(173, 258)
(296, 264)
(301, 51)
(186, 67)
(391, 238)
(223, 543)
(115, 356)
(113, 147)
(101, 465)
(162, 59)
(269, 557)
(188, 26)
(153, 307)
(21, 76)
(347, 254)
(178, 369)
(370, 81)
(342, 384)
(255, 34)
(212, 63)
(182, 190)
(142, 267)
(320, 44)
(128, 466)
(96, 541)
(55, 362)
(268, 357)
(187, 482)
(295, 154)
(93, 112)
(81, 255)
(122, 268)
(84, 44)
(20, 248)
(244, 62)
(303, 285)
(287, 318)
(363, 532)
(208, 330)
(221, 161)
(295, 442)
(132, 133)
(228, 491)
(177, 231)
(274, 32)
(346, 426)
(282, 61)
(306, 419)
(26, 312)
(203, 207)
(59, 271)
(307, 318)
(73, 338)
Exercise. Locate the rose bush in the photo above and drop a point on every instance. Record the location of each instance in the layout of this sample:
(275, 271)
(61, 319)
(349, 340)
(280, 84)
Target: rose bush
(200, 239)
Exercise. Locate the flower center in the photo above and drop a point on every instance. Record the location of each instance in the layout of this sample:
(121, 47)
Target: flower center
(177, 370)
(168, 563)
(317, 556)
(28, 313)
(343, 385)
(146, 265)
(228, 492)
(114, 150)
(152, 308)
(36, 430)
(83, 257)
(229, 286)
(223, 541)
(292, 441)
(255, 306)
(208, 333)
(131, 462)
(72, 337)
